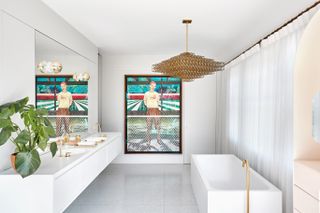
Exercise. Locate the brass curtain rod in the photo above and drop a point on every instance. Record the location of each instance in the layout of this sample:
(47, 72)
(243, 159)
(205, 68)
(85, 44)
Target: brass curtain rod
(276, 30)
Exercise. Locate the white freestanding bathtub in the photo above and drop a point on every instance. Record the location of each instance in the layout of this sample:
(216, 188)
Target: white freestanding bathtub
(218, 183)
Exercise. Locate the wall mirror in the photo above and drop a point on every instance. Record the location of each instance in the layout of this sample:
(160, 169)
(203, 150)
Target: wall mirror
(62, 85)
(316, 117)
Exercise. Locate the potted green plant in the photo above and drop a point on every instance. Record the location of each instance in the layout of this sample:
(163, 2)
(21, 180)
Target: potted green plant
(34, 134)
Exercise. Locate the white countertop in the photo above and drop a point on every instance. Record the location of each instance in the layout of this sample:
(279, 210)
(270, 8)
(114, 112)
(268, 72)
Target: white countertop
(311, 164)
(59, 165)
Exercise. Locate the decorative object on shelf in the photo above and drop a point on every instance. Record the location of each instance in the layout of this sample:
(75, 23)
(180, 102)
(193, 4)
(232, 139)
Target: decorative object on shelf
(152, 114)
(78, 138)
(49, 67)
(66, 138)
(60, 143)
(98, 128)
(81, 76)
(35, 134)
(188, 66)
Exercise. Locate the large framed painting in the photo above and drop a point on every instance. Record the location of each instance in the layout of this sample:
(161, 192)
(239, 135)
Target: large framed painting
(66, 101)
(153, 114)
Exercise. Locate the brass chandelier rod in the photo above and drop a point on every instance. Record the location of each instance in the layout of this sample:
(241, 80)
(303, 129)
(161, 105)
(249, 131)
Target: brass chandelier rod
(187, 22)
(187, 37)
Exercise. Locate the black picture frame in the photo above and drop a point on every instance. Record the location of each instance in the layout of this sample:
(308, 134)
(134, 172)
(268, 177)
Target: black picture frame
(126, 115)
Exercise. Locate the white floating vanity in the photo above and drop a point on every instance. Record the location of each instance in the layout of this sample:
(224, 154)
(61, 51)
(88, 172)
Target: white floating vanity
(306, 189)
(59, 180)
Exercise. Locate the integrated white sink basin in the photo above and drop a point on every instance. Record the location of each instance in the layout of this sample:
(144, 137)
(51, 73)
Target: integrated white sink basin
(72, 151)
(96, 139)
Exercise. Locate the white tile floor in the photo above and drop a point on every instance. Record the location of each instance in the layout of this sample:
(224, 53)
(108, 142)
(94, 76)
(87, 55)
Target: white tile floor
(138, 189)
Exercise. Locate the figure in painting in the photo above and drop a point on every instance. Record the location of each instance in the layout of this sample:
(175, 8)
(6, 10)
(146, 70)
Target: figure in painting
(65, 101)
(152, 102)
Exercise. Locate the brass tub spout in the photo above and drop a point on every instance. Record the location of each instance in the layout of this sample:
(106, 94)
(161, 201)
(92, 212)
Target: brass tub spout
(246, 165)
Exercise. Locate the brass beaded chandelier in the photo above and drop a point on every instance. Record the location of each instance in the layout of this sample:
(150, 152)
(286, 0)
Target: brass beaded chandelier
(187, 65)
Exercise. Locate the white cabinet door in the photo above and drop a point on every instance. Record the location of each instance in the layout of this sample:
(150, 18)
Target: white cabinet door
(303, 202)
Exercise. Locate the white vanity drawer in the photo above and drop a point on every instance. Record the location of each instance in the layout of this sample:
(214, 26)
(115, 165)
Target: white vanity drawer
(69, 185)
(303, 202)
(307, 176)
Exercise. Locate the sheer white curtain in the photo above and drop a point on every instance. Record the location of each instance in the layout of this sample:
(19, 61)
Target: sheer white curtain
(255, 107)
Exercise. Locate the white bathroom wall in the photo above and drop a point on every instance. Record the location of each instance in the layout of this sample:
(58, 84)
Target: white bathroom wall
(100, 88)
(17, 68)
(38, 16)
(199, 117)
(19, 20)
(198, 107)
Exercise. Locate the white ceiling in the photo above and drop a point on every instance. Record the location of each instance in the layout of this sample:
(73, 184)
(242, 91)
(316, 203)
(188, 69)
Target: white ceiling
(220, 28)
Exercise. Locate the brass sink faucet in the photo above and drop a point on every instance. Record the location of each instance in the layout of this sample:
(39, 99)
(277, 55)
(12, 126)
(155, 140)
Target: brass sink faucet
(246, 165)
(60, 143)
